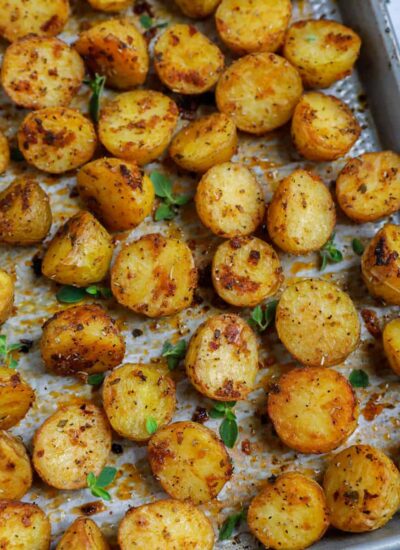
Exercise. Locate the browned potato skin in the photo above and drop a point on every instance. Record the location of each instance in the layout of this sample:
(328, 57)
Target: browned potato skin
(117, 192)
(16, 398)
(189, 461)
(313, 409)
(117, 50)
(15, 467)
(110, 5)
(80, 252)
(81, 339)
(4, 153)
(23, 525)
(83, 534)
(25, 214)
(362, 488)
(290, 512)
(6, 295)
(197, 8)
(391, 344)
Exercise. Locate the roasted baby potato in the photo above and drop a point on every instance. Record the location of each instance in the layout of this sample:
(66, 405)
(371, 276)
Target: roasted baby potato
(15, 467)
(380, 264)
(323, 127)
(81, 339)
(290, 512)
(248, 26)
(222, 358)
(16, 398)
(154, 275)
(23, 526)
(259, 91)
(71, 443)
(207, 141)
(80, 252)
(6, 295)
(197, 8)
(322, 51)
(41, 71)
(110, 5)
(186, 60)
(4, 153)
(317, 323)
(368, 187)
(362, 488)
(117, 50)
(189, 461)
(83, 534)
(138, 125)
(391, 344)
(165, 525)
(313, 409)
(133, 394)
(25, 214)
(245, 271)
(117, 192)
(56, 140)
(301, 215)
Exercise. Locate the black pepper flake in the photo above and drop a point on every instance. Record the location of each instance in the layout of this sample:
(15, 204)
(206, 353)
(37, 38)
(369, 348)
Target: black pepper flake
(26, 345)
(37, 264)
(136, 332)
(117, 449)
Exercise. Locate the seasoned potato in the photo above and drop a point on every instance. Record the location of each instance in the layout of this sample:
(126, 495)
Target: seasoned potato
(138, 125)
(15, 467)
(83, 534)
(110, 5)
(290, 512)
(186, 60)
(40, 71)
(134, 393)
(362, 488)
(166, 525)
(6, 295)
(23, 526)
(189, 461)
(25, 214)
(301, 215)
(368, 187)
(16, 398)
(322, 51)
(21, 17)
(313, 409)
(248, 26)
(80, 252)
(380, 264)
(222, 358)
(391, 344)
(207, 141)
(154, 275)
(197, 8)
(245, 271)
(117, 50)
(81, 339)
(71, 443)
(323, 127)
(4, 153)
(317, 323)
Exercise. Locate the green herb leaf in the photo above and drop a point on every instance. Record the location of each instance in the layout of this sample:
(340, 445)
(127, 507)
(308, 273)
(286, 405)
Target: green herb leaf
(230, 524)
(95, 379)
(97, 484)
(16, 155)
(106, 476)
(174, 353)
(358, 246)
(6, 352)
(151, 425)
(97, 86)
(12, 363)
(263, 318)
(99, 291)
(359, 378)
(91, 480)
(70, 294)
(214, 413)
(163, 189)
(181, 200)
(162, 185)
(164, 212)
(330, 254)
(229, 432)
(146, 21)
(311, 38)
(101, 493)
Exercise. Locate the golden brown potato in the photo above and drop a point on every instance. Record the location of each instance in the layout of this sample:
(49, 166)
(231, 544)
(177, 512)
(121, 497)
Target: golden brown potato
(317, 323)
(4, 153)
(313, 409)
(25, 214)
(6, 295)
(110, 5)
(248, 26)
(23, 526)
(16, 398)
(166, 525)
(323, 127)
(40, 71)
(362, 488)
(391, 344)
(154, 275)
(135, 393)
(189, 461)
(207, 141)
(301, 215)
(138, 125)
(117, 192)
(71, 443)
(259, 91)
(197, 8)
(15, 467)
(290, 512)
(117, 50)
(186, 60)
(380, 264)
(81, 339)
(21, 17)
(83, 534)
(322, 51)
(222, 358)
(368, 187)
(245, 271)
(56, 140)
(80, 252)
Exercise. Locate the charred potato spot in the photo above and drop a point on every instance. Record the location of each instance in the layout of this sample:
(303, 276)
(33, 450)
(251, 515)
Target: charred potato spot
(110, 5)
(23, 525)
(16, 398)
(83, 533)
(197, 8)
(6, 295)
(391, 344)
(4, 153)
(15, 468)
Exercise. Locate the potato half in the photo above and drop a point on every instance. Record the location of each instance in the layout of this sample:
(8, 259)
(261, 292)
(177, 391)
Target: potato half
(6, 295)
(16, 398)
(110, 5)
(15, 467)
(83, 534)
(4, 153)
(197, 8)
(23, 526)
(391, 344)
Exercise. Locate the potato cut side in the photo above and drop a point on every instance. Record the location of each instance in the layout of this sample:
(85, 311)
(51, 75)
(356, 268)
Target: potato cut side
(83, 534)
(6, 295)
(16, 398)
(4, 153)
(391, 344)
(23, 525)
(110, 5)
(197, 8)
(15, 467)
